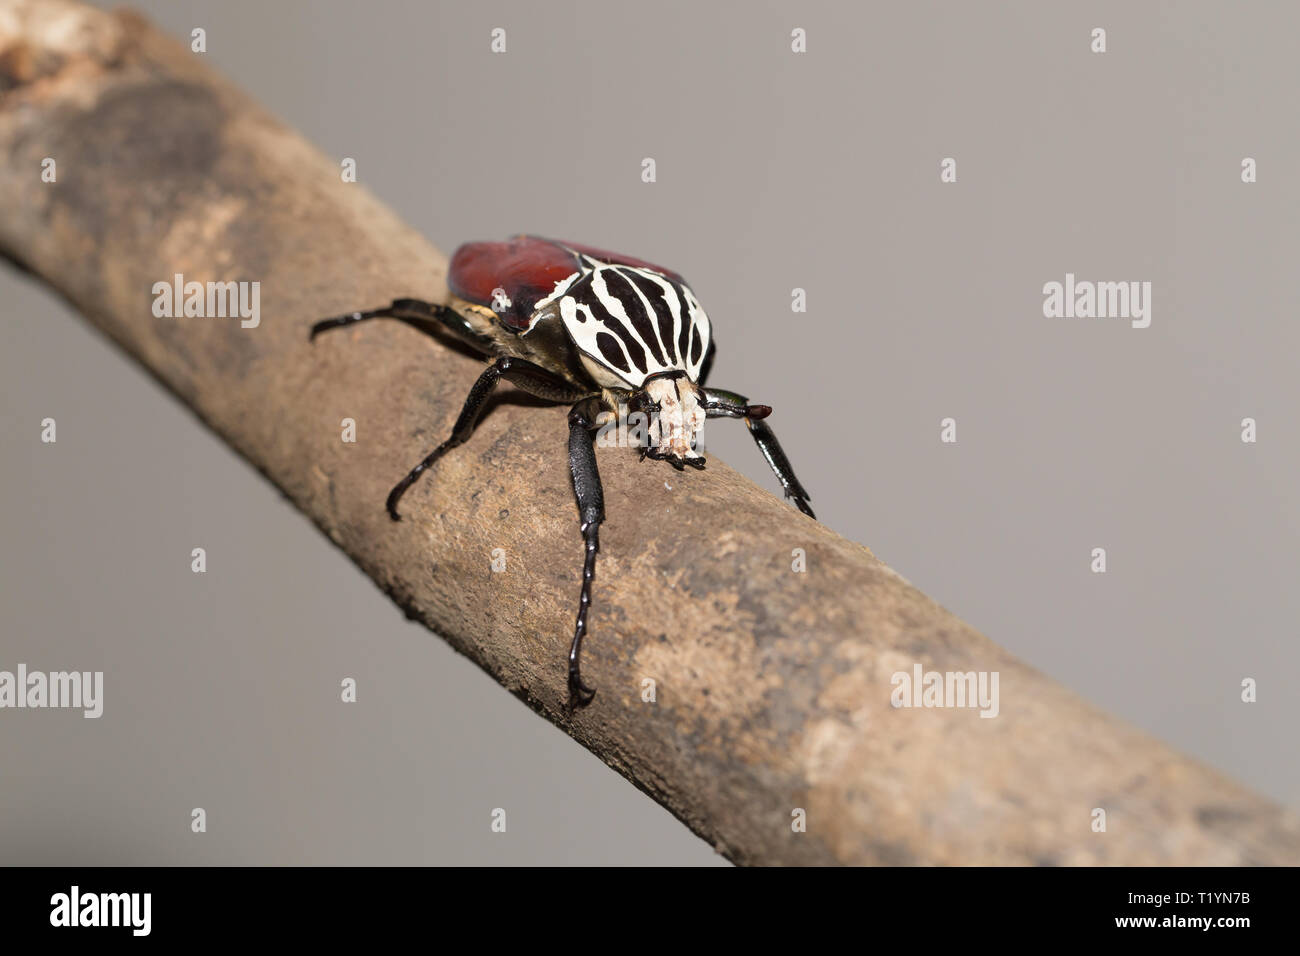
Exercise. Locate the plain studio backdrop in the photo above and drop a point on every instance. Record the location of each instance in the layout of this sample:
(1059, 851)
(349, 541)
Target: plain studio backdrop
(775, 170)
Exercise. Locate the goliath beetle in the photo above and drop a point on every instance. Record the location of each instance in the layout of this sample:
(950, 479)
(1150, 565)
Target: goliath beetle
(576, 325)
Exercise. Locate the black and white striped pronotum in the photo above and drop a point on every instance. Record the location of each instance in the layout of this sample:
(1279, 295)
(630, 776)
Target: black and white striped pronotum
(579, 326)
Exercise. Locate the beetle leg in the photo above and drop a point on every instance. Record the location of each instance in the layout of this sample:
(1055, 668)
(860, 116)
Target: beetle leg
(411, 310)
(528, 376)
(591, 511)
(771, 449)
(723, 404)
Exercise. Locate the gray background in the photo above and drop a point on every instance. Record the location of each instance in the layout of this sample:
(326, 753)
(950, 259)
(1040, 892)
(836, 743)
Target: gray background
(775, 170)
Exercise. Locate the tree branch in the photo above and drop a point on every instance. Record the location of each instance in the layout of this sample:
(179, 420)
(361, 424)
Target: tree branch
(773, 687)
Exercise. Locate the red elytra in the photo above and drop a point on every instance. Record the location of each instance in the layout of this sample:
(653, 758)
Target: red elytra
(526, 269)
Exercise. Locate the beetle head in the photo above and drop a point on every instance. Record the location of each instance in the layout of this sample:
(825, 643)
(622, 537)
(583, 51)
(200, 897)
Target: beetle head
(676, 412)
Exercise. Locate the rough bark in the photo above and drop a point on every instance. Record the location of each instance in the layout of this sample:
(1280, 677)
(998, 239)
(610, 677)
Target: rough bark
(773, 687)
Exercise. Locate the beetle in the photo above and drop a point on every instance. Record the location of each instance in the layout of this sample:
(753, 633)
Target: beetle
(593, 329)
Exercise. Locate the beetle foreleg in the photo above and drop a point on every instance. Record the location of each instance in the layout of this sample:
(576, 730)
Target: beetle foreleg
(591, 511)
(532, 378)
(723, 404)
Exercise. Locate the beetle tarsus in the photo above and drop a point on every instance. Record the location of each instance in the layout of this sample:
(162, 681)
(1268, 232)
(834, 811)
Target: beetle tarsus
(719, 403)
(340, 320)
(580, 694)
(391, 503)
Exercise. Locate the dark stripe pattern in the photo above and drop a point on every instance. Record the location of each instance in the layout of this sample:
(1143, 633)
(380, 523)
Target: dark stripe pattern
(635, 322)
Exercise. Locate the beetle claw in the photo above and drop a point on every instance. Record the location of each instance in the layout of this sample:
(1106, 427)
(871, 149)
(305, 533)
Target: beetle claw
(579, 693)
